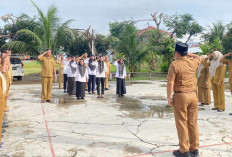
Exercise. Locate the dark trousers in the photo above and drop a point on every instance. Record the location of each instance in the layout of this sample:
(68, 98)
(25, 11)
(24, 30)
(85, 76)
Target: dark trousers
(65, 81)
(100, 82)
(91, 83)
(121, 86)
(80, 89)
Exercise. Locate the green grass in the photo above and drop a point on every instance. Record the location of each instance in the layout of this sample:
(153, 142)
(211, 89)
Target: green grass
(32, 68)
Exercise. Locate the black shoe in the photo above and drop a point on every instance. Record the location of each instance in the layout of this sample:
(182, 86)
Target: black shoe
(220, 110)
(195, 153)
(48, 101)
(4, 125)
(3, 130)
(215, 108)
(122, 95)
(89, 93)
(82, 98)
(43, 101)
(78, 98)
(177, 153)
(65, 91)
(107, 89)
(93, 92)
(230, 114)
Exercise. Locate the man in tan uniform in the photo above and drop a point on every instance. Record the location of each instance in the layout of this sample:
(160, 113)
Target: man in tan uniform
(3, 88)
(108, 65)
(47, 74)
(228, 62)
(182, 81)
(61, 69)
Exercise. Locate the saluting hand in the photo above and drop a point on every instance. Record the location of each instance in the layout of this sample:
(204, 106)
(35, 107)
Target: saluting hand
(228, 54)
(170, 102)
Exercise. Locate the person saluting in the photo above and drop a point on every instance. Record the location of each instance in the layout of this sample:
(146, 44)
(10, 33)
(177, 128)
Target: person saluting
(182, 82)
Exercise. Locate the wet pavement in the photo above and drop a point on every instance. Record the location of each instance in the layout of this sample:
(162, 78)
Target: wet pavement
(139, 124)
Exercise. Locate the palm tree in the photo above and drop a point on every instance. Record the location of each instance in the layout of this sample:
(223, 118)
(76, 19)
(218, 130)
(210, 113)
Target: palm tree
(49, 32)
(132, 49)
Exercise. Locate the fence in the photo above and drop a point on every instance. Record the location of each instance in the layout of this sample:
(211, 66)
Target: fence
(144, 76)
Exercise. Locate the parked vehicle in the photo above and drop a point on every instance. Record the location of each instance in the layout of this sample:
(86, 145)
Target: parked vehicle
(17, 68)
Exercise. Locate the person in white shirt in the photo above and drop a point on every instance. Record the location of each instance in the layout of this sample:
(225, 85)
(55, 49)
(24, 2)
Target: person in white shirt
(81, 78)
(101, 71)
(65, 72)
(71, 78)
(92, 75)
(120, 76)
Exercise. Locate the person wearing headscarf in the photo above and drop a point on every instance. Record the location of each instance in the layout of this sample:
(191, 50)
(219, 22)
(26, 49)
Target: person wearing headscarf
(203, 83)
(65, 72)
(81, 78)
(120, 76)
(71, 77)
(217, 73)
(227, 60)
(100, 76)
(92, 75)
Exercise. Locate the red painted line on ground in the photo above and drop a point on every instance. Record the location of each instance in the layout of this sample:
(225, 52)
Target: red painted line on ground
(167, 151)
(48, 132)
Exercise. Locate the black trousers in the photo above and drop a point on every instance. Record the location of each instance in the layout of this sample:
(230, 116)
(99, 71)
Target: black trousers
(100, 84)
(71, 86)
(65, 81)
(91, 83)
(80, 89)
(121, 86)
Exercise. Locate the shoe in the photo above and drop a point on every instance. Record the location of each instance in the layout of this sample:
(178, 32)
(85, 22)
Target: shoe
(65, 91)
(102, 96)
(86, 89)
(1, 146)
(48, 101)
(93, 92)
(215, 108)
(195, 153)
(43, 101)
(220, 110)
(122, 95)
(177, 153)
(201, 104)
(230, 113)
(3, 131)
(107, 89)
(4, 125)
(78, 98)
(5, 122)
(82, 98)
(89, 93)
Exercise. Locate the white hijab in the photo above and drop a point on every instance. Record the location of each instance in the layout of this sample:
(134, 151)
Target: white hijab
(199, 70)
(214, 64)
(3, 83)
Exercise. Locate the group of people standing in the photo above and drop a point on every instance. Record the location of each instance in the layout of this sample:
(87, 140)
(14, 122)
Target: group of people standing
(78, 74)
(6, 79)
(213, 72)
(184, 92)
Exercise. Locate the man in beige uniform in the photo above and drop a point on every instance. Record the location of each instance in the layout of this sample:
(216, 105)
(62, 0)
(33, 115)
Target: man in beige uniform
(48, 71)
(61, 69)
(182, 81)
(228, 62)
(108, 65)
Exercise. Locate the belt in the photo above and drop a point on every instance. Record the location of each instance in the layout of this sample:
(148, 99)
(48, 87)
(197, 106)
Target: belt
(184, 91)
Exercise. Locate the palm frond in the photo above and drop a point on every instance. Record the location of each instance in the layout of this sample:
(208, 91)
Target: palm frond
(19, 46)
(30, 34)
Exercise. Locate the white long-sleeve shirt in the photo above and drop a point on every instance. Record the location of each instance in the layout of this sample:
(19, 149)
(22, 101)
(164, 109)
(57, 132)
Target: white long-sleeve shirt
(90, 71)
(103, 74)
(70, 74)
(66, 64)
(79, 78)
(117, 71)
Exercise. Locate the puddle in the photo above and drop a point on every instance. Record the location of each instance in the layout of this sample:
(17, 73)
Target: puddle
(145, 107)
(131, 83)
(68, 102)
(135, 108)
(132, 149)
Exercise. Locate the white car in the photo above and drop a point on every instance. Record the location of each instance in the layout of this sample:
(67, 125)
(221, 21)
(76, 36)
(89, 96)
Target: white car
(17, 68)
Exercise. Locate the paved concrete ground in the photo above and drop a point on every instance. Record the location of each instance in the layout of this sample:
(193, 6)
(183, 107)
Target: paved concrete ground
(137, 125)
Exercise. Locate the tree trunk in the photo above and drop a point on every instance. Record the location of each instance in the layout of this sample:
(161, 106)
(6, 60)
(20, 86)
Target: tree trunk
(188, 38)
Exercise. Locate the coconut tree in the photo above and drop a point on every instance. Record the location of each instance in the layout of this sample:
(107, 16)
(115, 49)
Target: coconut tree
(49, 32)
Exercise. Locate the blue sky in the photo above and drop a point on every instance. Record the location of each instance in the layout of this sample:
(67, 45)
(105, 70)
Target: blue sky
(99, 13)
